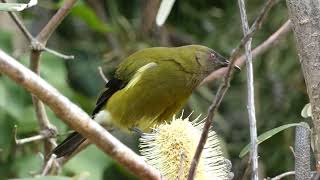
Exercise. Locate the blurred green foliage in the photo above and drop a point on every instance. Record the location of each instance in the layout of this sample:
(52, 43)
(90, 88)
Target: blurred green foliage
(102, 33)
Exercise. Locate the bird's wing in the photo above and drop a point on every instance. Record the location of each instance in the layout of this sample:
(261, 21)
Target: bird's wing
(139, 73)
(111, 87)
(115, 85)
(73, 141)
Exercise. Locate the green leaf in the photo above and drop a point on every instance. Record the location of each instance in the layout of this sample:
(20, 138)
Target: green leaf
(16, 100)
(6, 40)
(6, 135)
(17, 6)
(91, 160)
(45, 178)
(87, 15)
(306, 111)
(26, 163)
(3, 95)
(268, 135)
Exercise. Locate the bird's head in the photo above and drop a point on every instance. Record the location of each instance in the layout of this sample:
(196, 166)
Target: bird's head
(207, 59)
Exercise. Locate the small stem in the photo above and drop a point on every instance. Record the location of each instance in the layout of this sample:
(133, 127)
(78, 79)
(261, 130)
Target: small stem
(280, 176)
(262, 48)
(41, 41)
(20, 24)
(182, 159)
(250, 87)
(56, 53)
(41, 114)
(48, 165)
(54, 22)
(221, 92)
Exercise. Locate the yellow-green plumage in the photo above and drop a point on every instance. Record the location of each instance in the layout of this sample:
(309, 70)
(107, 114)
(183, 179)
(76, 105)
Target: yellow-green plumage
(158, 92)
(149, 87)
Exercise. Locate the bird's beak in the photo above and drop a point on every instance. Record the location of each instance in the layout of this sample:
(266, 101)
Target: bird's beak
(224, 63)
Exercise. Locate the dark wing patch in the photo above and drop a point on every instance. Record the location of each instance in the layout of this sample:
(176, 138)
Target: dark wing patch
(73, 141)
(69, 145)
(112, 86)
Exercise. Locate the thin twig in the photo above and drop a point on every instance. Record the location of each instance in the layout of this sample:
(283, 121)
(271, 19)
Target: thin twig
(43, 135)
(262, 48)
(44, 124)
(280, 176)
(149, 16)
(19, 23)
(182, 159)
(30, 139)
(42, 39)
(56, 53)
(54, 22)
(34, 43)
(48, 165)
(76, 118)
(250, 97)
(105, 79)
(221, 92)
(247, 171)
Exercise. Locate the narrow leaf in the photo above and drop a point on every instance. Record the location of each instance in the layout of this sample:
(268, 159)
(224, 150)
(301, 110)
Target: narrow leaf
(17, 6)
(268, 135)
(164, 11)
(87, 15)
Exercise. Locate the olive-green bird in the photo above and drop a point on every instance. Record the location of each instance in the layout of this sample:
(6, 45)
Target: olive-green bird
(149, 87)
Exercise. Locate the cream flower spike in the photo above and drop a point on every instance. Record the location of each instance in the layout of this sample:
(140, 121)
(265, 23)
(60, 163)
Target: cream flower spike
(171, 146)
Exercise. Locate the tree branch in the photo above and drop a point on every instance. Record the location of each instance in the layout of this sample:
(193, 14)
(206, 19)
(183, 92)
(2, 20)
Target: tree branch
(280, 176)
(41, 114)
(302, 152)
(42, 38)
(34, 43)
(76, 117)
(250, 98)
(262, 48)
(304, 15)
(42, 135)
(223, 89)
(54, 22)
(149, 15)
(19, 23)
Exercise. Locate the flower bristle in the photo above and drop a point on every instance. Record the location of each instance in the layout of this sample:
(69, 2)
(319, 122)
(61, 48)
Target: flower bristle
(171, 147)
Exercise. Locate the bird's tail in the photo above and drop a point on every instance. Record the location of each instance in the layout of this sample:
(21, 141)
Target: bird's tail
(69, 145)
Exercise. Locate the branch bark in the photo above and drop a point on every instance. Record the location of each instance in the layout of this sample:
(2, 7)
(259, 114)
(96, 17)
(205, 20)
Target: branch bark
(250, 97)
(262, 48)
(305, 17)
(149, 15)
(76, 117)
(302, 153)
